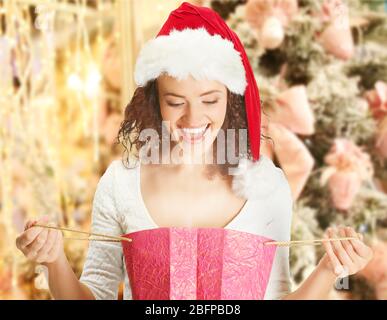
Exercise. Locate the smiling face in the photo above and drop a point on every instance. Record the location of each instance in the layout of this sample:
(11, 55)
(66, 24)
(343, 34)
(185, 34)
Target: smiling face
(194, 109)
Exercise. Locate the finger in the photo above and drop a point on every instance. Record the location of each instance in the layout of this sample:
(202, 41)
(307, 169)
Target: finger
(340, 251)
(42, 254)
(338, 268)
(53, 253)
(39, 242)
(29, 224)
(27, 237)
(30, 234)
(358, 245)
(345, 232)
(345, 243)
(44, 220)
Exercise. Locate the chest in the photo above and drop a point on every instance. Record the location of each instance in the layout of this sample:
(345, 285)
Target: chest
(171, 203)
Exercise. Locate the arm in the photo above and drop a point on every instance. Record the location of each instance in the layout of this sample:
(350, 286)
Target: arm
(342, 258)
(103, 269)
(317, 286)
(46, 246)
(63, 283)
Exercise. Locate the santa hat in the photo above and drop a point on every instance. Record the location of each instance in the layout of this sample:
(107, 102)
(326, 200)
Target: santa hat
(196, 41)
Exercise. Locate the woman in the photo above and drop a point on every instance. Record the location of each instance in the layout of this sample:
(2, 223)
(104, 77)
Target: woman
(195, 83)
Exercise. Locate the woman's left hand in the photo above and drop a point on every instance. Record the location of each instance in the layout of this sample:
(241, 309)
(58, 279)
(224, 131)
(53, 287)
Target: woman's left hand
(345, 257)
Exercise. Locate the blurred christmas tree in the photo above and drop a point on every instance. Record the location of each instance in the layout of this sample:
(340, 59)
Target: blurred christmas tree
(321, 67)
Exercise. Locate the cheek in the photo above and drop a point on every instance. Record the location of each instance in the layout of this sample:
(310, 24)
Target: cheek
(218, 115)
(169, 114)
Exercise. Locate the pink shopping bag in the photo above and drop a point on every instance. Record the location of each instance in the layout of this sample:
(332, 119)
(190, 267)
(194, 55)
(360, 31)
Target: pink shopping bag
(184, 263)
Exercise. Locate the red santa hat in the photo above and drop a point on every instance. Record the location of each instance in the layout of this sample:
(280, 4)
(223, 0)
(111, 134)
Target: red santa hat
(196, 41)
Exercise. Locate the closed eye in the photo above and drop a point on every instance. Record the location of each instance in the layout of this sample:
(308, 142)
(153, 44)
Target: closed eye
(175, 104)
(210, 102)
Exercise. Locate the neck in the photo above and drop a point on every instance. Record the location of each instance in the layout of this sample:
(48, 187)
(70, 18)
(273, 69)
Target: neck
(192, 158)
(187, 166)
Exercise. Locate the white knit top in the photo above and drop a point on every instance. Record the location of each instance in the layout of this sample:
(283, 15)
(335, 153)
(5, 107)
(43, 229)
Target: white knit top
(118, 208)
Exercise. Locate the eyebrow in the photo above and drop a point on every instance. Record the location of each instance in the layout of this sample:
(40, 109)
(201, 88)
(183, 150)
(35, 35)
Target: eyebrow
(179, 96)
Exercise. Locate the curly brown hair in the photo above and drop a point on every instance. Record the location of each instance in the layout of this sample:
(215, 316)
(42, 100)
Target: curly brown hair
(143, 112)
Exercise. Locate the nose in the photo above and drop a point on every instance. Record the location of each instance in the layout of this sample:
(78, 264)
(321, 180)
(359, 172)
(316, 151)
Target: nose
(194, 115)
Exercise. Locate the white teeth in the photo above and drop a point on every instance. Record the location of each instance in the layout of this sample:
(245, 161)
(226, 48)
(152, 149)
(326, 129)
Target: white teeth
(194, 130)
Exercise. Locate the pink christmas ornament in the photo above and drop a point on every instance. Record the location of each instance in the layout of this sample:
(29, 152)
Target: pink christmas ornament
(294, 111)
(257, 11)
(338, 42)
(270, 18)
(333, 10)
(292, 115)
(294, 157)
(348, 167)
(343, 187)
(272, 33)
(336, 37)
(197, 263)
(377, 100)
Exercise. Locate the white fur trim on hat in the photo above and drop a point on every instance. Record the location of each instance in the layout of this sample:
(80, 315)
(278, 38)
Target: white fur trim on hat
(192, 52)
(257, 179)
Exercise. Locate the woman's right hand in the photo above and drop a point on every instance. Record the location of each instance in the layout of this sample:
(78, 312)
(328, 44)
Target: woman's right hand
(40, 245)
